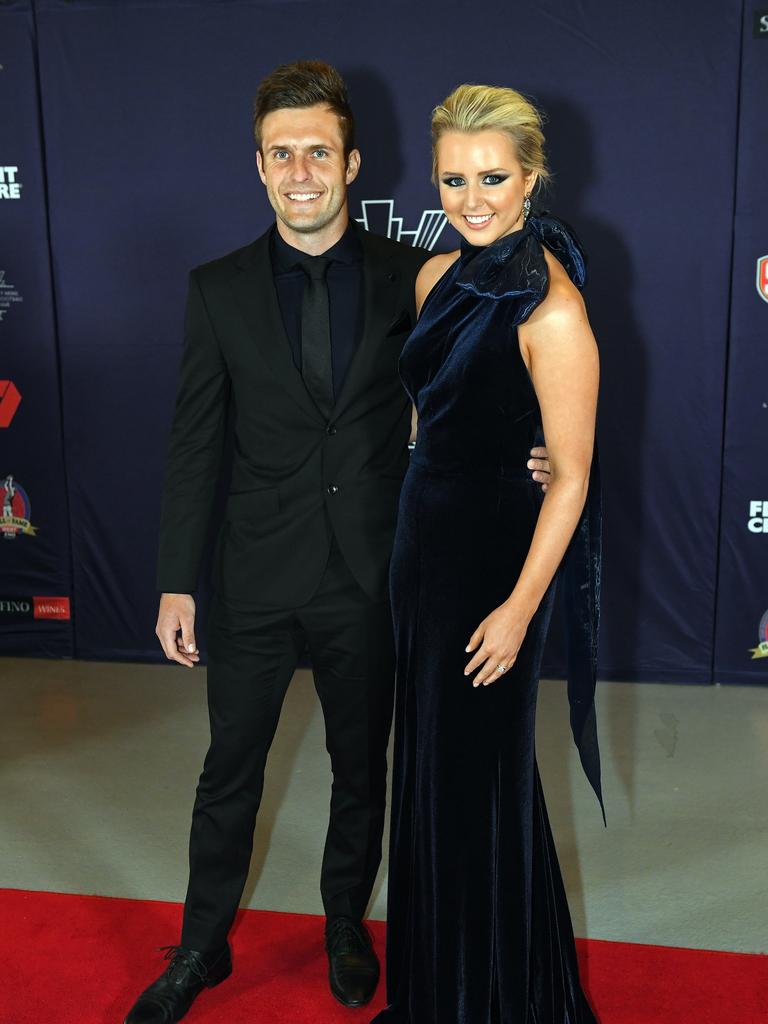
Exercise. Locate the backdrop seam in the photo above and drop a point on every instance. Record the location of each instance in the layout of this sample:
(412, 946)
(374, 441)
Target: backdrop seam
(729, 323)
(54, 313)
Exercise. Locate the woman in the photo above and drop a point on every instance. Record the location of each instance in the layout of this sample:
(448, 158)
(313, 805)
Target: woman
(478, 924)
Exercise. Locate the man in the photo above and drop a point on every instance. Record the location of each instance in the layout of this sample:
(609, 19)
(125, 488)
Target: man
(297, 336)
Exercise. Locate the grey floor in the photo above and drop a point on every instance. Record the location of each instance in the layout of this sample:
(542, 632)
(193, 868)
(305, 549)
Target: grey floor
(98, 765)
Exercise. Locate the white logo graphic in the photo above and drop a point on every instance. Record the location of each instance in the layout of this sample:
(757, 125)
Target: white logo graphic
(8, 295)
(758, 517)
(9, 187)
(379, 217)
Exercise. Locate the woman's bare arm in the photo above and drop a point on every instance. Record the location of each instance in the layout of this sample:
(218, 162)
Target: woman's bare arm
(559, 349)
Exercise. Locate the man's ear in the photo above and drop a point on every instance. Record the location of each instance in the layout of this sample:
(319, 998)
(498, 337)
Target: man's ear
(353, 165)
(260, 166)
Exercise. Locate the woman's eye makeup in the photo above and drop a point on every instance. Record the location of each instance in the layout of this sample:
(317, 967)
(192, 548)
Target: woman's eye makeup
(454, 181)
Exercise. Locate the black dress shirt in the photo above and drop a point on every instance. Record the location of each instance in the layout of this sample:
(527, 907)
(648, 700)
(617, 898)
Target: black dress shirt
(345, 297)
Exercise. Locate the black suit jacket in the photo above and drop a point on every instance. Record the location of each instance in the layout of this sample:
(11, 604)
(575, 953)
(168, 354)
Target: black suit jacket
(290, 465)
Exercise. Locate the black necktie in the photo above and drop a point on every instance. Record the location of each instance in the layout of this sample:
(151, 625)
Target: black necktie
(316, 366)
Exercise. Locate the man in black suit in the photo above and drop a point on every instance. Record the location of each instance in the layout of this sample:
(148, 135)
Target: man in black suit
(297, 338)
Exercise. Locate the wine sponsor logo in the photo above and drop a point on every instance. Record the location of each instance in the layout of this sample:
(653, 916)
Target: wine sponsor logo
(29, 608)
(51, 608)
(758, 517)
(761, 651)
(379, 217)
(8, 296)
(10, 399)
(762, 278)
(10, 186)
(15, 510)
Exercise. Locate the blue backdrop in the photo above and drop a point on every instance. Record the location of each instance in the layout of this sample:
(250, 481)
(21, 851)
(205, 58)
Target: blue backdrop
(131, 124)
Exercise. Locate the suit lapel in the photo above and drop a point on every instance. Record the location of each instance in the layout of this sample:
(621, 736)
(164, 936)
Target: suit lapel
(380, 288)
(254, 290)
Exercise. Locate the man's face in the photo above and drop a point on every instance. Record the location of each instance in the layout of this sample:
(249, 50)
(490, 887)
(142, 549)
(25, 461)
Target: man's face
(302, 165)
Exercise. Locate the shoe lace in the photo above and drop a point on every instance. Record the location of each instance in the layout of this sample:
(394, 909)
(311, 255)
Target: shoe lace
(344, 936)
(180, 958)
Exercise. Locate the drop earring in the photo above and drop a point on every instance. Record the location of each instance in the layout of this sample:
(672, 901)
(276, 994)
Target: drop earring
(526, 205)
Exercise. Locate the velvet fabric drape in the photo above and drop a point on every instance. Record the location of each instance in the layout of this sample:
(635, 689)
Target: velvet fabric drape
(478, 925)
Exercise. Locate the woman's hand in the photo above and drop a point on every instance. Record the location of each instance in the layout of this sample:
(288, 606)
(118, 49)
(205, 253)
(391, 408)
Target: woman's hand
(496, 642)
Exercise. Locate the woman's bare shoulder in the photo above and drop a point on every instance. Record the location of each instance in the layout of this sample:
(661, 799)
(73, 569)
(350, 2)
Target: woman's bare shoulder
(431, 272)
(563, 299)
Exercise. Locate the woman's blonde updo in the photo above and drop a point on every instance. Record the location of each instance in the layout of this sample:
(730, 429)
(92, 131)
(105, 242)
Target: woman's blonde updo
(489, 108)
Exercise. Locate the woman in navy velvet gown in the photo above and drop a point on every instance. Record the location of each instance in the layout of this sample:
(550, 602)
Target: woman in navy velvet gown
(478, 925)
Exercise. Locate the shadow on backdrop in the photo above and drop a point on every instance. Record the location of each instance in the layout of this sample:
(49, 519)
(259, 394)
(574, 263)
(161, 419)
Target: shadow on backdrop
(379, 138)
(621, 433)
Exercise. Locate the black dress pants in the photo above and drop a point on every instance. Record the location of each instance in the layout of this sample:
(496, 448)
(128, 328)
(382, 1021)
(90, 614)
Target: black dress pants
(252, 654)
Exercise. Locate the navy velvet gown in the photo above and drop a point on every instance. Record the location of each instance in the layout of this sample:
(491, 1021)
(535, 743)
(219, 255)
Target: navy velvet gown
(478, 925)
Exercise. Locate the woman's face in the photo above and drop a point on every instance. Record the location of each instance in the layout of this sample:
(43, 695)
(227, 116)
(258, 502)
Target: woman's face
(482, 185)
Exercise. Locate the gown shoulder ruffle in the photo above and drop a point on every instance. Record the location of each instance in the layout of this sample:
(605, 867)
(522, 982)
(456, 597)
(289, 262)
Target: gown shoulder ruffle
(514, 267)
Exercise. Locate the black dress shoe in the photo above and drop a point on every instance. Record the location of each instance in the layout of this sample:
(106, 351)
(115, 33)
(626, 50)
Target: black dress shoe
(189, 972)
(353, 968)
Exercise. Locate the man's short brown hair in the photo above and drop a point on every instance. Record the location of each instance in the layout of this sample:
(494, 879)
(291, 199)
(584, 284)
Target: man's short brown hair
(304, 84)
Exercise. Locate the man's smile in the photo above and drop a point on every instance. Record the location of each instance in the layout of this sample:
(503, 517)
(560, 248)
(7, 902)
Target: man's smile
(302, 197)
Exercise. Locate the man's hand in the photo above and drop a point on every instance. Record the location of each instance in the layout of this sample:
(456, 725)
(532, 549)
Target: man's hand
(539, 463)
(177, 613)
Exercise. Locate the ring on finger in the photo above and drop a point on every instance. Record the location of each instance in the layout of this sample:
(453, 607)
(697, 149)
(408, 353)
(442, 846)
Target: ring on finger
(501, 668)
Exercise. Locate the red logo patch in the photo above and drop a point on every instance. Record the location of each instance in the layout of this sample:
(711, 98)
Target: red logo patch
(10, 399)
(51, 607)
(762, 278)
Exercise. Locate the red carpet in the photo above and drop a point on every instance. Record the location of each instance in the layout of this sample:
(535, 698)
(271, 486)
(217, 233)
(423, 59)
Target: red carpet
(83, 960)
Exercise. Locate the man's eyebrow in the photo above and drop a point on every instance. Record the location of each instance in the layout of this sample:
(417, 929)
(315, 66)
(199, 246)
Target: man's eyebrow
(311, 145)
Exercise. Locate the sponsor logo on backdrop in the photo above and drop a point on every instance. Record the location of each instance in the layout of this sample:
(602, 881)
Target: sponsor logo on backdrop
(8, 295)
(35, 608)
(10, 400)
(15, 510)
(762, 278)
(10, 186)
(760, 25)
(379, 217)
(758, 517)
(51, 608)
(761, 651)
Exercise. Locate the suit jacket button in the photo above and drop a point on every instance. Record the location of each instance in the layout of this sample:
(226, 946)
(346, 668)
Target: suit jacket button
(333, 489)
(330, 429)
